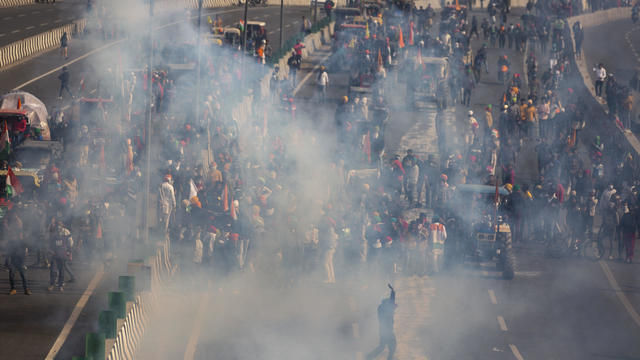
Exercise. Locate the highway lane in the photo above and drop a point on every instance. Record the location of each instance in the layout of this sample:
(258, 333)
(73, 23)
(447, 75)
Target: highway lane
(37, 320)
(85, 53)
(23, 21)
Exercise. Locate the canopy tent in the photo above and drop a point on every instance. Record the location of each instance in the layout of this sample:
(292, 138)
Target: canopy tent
(35, 110)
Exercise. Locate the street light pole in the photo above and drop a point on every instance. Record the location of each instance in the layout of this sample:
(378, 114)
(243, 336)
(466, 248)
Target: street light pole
(244, 30)
(281, 23)
(199, 51)
(147, 132)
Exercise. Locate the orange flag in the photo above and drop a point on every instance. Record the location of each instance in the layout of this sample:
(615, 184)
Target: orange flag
(380, 63)
(400, 39)
(411, 33)
(367, 146)
(225, 198)
(19, 104)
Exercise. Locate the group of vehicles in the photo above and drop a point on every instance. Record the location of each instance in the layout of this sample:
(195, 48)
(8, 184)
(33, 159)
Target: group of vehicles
(28, 145)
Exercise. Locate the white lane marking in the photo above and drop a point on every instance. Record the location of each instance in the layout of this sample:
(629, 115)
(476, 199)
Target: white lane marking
(503, 324)
(15, 31)
(35, 12)
(30, 27)
(22, 15)
(190, 351)
(44, 24)
(306, 77)
(68, 63)
(57, 21)
(7, 18)
(621, 295)
(106, 46)
(515, 352)
(1, 35)
(493, 298)
(271, 32)
(288, 25)
(82, 302)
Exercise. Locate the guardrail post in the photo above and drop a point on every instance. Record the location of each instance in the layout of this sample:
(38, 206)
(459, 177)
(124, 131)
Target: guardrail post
(118, 303)
(94, 346)
(107, 323)
(127, 285)
(142, 274)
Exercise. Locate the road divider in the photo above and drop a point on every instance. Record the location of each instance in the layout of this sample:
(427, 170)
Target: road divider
(12, 3)
(24, 48)
(122, 326)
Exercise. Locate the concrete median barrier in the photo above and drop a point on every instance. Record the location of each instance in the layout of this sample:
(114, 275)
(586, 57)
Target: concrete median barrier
(12, 3)
(47, 40)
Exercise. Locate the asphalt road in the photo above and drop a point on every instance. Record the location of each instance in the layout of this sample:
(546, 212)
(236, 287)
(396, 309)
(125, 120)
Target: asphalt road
(23, 21)
(90, 56)
(617, 46)
(30, 325)
(555, 308)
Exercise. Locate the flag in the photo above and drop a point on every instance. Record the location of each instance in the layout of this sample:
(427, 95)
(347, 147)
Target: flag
(367, 146)
(420, 57)
(367, 34)
(225, 198)
(13, 184)
(232, 210)
(411, 33)
(400, 39)
(19, 104)
(380, 62)
(209, 20)
(5, 140)
(193, 191)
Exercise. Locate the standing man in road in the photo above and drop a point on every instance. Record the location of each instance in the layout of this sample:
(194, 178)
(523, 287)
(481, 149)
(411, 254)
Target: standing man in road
(386, 311)
(167, 199)
(323, 83)
(16, 252)
(294, 63)
(601, 76)
(61, 244)
(64, 82)
(64, 42)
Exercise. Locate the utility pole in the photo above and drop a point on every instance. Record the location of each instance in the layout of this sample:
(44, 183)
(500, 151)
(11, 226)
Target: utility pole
(147, 132)
(244, 30)
(199, 52)
(281, 23)
(315, 11)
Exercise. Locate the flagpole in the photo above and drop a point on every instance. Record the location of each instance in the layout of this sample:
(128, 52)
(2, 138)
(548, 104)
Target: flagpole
(147, 126)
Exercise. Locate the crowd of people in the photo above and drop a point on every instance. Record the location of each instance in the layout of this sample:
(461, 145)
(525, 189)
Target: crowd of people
(261, 192)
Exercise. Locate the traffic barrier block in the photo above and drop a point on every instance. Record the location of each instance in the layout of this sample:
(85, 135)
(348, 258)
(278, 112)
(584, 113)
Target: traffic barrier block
(142, 272)
(118, 303)
(107, 323)
(94, 346)
(127, 284)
